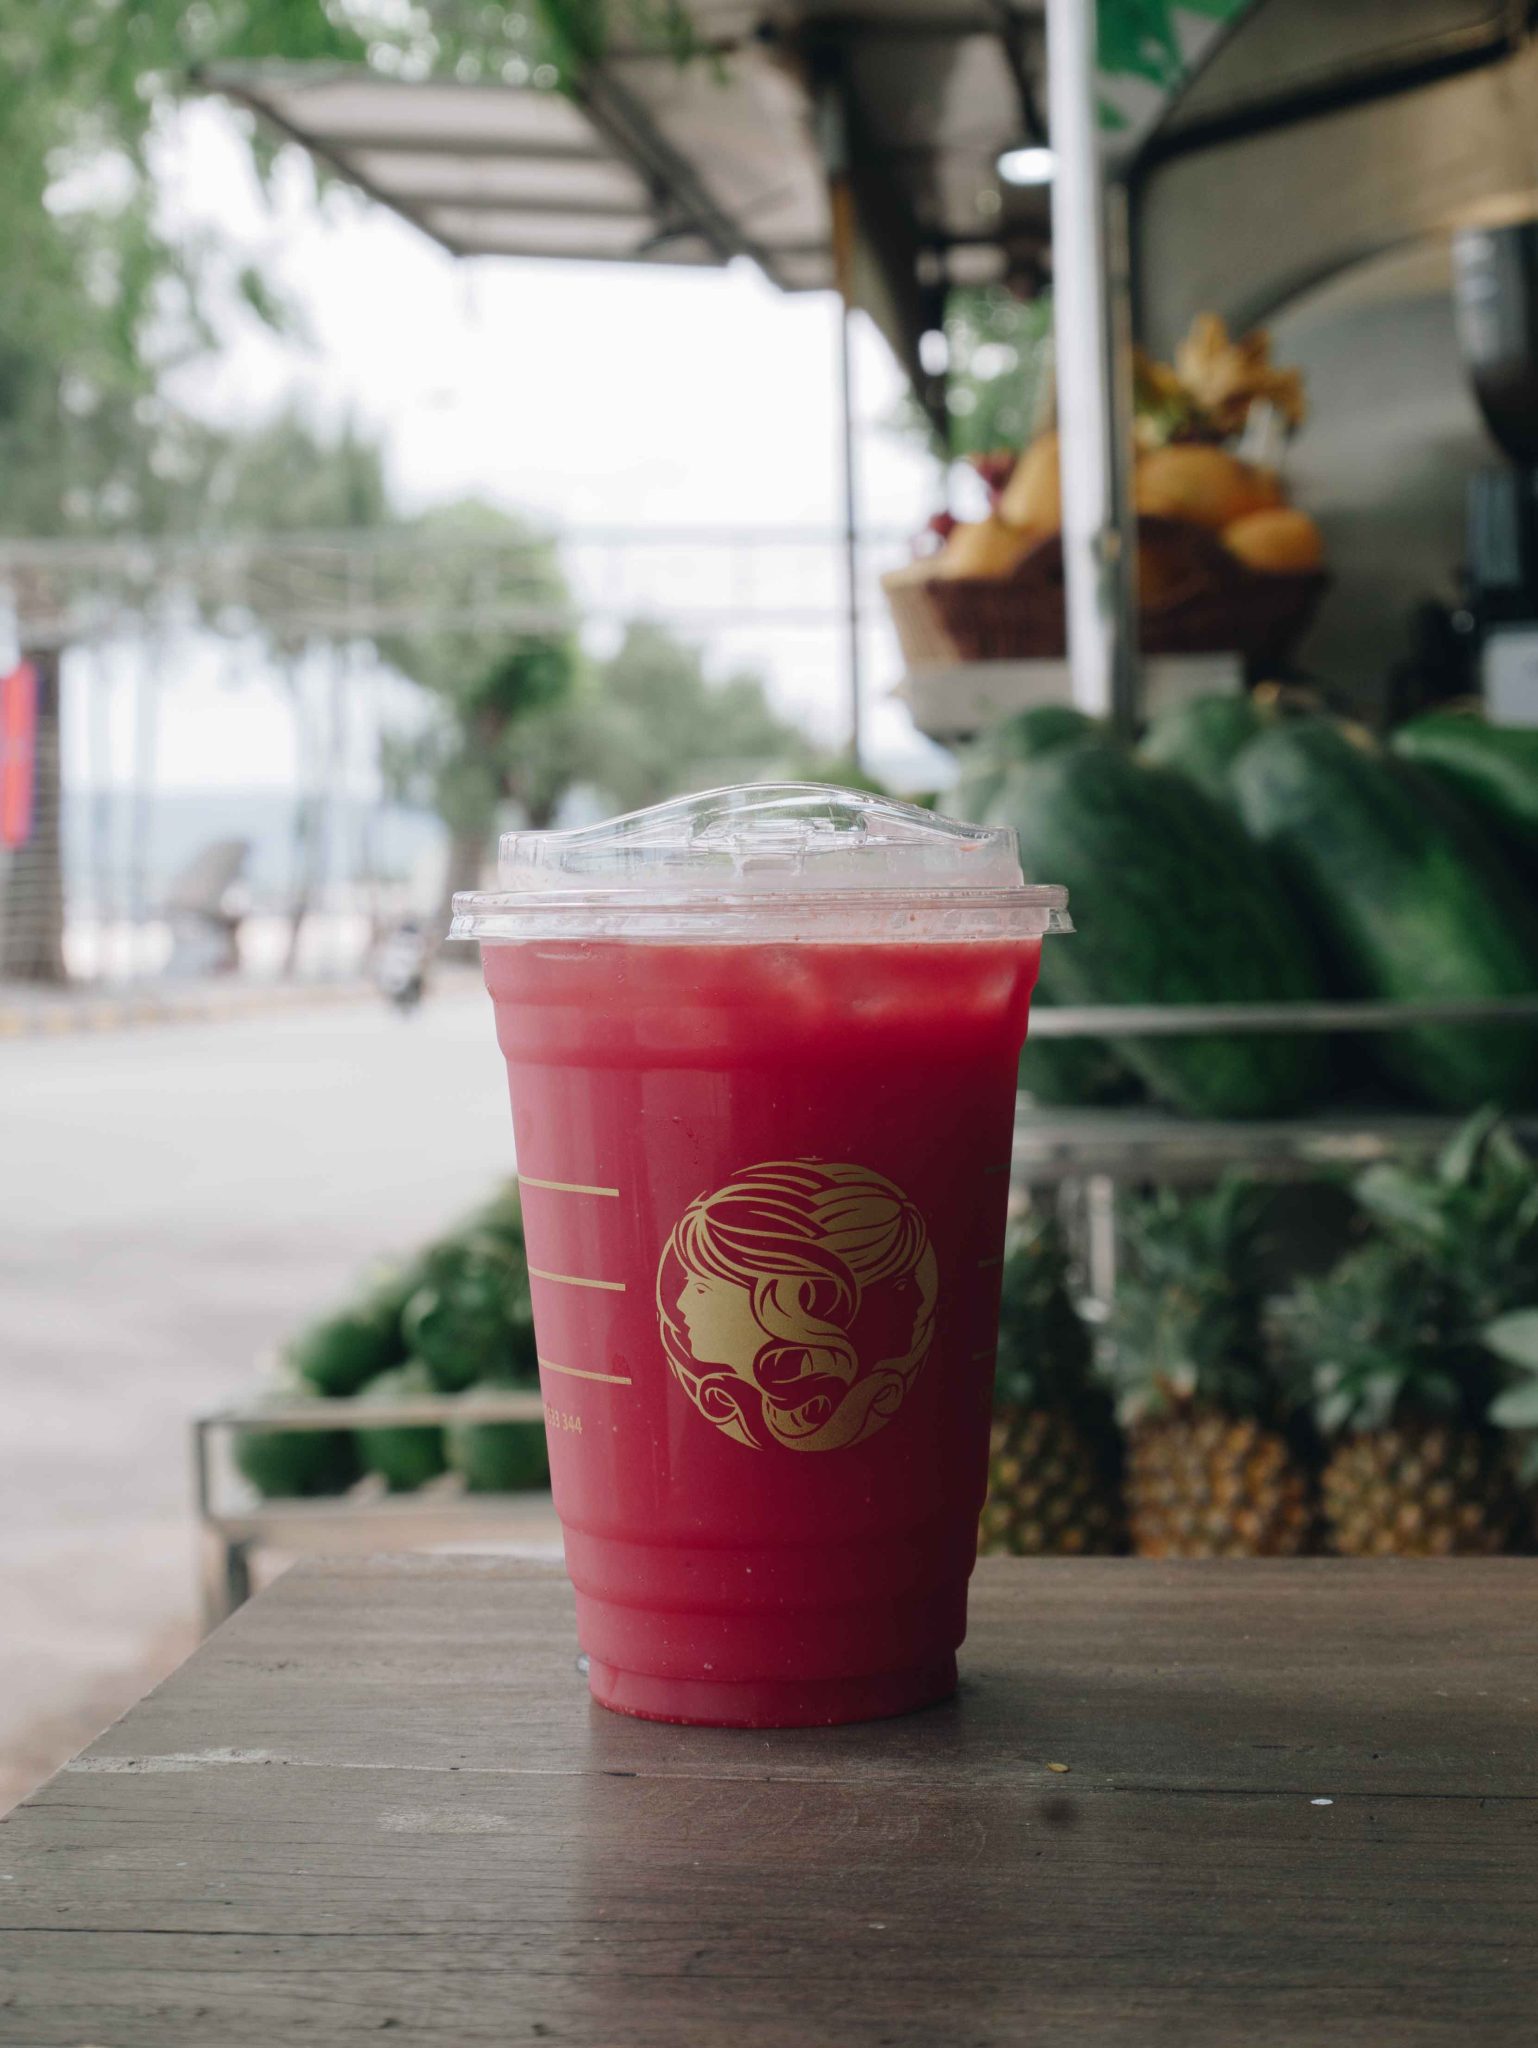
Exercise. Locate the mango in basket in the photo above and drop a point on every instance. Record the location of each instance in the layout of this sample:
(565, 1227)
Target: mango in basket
(1033, 496)
(1201, 484)
(984, 547)
(1278, 542)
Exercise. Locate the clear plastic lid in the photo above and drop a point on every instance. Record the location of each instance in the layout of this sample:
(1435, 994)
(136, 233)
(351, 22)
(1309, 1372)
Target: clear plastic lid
(764, 861)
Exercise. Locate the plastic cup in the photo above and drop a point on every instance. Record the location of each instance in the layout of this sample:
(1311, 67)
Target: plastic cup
(761, 1050)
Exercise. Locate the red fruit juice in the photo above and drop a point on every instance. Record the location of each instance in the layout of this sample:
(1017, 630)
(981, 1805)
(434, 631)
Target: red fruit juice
(764, 1188)
(768, 1430)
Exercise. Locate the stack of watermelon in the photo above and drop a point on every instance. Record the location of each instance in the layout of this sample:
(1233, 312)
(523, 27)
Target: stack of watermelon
(457, 1319)
(1246, 854)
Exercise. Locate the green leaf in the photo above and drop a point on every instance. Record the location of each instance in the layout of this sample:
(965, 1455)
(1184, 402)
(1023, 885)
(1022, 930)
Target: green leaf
(1461, 1156)
(1517, 1408)
(1402, 1201)
(1514, 1338)
(1334, 1412)
(265, 300)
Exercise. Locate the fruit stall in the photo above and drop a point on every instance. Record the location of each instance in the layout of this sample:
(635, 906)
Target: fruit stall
(1274, 1284)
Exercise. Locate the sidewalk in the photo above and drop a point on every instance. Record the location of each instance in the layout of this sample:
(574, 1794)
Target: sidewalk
(181, 1202)
(27, 1012)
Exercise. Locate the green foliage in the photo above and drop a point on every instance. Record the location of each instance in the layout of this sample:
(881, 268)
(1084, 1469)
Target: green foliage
(1471, 1219)
(840, 772)
(287, 477)
(999, 383)
(1186, 1323)
(1437, 1315)
(576, 33)
(1044, 1346)
(659, 726)
(1513, 1340)
(1372, 1344)
(109, 303)
(524, 722)
(481, 748)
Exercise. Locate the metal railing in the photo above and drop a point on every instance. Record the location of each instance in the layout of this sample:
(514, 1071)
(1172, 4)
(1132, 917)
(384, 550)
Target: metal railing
(231, 1536)
(1170, 1020)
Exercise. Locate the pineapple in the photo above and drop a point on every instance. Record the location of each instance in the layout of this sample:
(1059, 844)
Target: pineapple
(1399, 1397)
(1473, 1221)
(1051, 1471)
(1513, 1340)
(1209, 1471)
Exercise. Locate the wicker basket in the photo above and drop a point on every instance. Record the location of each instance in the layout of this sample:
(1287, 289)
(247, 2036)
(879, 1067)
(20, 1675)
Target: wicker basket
(1195, 598)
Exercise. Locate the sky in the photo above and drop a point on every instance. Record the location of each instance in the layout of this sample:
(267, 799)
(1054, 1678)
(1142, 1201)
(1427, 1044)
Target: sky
(584, 395)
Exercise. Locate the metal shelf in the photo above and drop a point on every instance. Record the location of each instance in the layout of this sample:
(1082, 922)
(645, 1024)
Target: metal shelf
(1087, 1156)
(1344, 1014)
(1141, 1143)
(955, 703)
(366, 1518)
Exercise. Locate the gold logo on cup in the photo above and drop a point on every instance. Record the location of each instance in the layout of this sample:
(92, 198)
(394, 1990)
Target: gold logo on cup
(797, 1303)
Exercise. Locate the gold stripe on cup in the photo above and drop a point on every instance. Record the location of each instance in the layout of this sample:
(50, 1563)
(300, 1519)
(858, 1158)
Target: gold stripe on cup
(578, 1372)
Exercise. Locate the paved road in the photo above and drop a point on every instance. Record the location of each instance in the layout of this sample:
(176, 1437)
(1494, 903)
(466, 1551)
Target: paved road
(173, 1200)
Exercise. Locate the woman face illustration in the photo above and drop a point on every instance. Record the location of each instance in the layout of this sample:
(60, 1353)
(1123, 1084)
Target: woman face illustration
(797, 1303)
(718, 1316)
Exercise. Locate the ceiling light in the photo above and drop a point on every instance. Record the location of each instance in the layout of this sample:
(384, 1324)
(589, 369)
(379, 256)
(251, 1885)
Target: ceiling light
(1033, 165)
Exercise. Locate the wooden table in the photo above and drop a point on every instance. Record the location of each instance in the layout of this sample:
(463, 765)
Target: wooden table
(1300, 1806)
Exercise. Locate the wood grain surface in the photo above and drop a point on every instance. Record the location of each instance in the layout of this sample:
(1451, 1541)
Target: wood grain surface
(378, 1803)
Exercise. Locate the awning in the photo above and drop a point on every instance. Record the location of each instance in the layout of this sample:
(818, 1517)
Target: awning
(483, 169)
(652, 161)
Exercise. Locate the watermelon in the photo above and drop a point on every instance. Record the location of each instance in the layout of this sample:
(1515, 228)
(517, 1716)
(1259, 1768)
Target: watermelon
(405, 1455)
(472, 1317)
(1057, 1070)
(1409, 899)
(283, 1463)
(1202, 738)
(1492, 769)
(1171, 904)
(340, 1353)
(499, 1457)
(1029, 735)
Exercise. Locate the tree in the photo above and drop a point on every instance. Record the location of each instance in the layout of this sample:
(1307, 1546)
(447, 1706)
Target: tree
(998, 390)
(657, 725)
(519, 731)
(491, 687)
(101, 305)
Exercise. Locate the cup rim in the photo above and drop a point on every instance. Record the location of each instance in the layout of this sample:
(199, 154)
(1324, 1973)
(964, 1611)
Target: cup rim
(836, 916)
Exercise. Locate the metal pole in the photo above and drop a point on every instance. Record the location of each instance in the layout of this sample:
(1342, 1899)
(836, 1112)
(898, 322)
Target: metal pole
(833, 139)
(851, 526)
(1098, 557)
